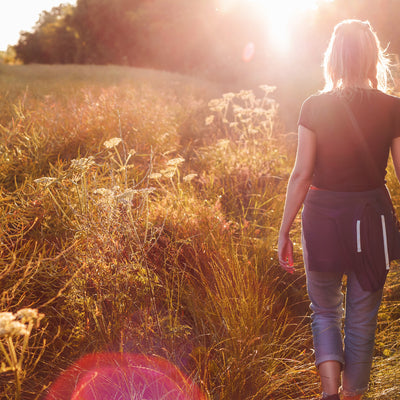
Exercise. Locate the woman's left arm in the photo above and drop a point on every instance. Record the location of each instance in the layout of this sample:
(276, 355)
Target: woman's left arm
(298, 185)
(395, 150)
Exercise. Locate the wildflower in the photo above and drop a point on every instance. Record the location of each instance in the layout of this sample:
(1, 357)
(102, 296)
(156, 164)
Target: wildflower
(168, 172)
(146, 190)
(155, 175)
(45, 180)
(113, 142)
(126, 196)
(82, 162)
(246, 94)
(228, 96)
(189, 177)
(82, 165)
(237, 108)
(223, 143)
(104, 192)
(29, 314)
(14, 328)
(6, 317)
(175, 161)
(267, 88)
(216, 105)
(259, 111)
(10, 327)
(209, 120)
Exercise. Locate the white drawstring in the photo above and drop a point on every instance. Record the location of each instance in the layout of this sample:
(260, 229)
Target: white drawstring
(385, 246)
(358, 236)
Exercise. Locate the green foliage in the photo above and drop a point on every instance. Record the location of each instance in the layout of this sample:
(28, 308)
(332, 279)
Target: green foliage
(8, 56)
(54, 40)
(196, 37)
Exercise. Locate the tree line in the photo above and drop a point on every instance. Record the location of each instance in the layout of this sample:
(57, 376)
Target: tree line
(190, 36)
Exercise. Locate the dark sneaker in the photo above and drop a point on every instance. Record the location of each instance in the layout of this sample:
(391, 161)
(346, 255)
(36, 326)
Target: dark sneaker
(331, 397)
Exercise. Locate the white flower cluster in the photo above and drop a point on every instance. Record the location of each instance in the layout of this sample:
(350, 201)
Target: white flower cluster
(15, 324)
(82, 164)
(115, 194)
(189, 177)
(209, 120)
(104, 192)
(170, 171)
(113, 142)
(243, 114)
(79, 167)
(175, 161)
(29, 314)
(217, 105)
(45, 181)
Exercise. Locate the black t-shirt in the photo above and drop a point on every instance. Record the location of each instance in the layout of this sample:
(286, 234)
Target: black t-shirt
(354, 132)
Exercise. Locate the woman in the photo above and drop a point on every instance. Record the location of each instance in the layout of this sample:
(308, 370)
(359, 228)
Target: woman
(348, 224)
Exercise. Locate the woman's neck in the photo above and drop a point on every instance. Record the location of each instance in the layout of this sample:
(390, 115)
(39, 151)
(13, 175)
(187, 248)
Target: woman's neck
(357, 85)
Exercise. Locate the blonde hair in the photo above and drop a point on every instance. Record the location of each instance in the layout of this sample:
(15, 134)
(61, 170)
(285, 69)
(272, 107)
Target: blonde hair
(355, 56)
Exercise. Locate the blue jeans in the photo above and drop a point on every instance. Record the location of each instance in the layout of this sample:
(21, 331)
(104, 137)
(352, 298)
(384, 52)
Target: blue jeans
(356, 350)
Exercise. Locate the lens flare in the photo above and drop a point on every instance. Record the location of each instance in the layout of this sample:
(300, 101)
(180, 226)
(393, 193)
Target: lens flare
(123, 376)
(248, 52)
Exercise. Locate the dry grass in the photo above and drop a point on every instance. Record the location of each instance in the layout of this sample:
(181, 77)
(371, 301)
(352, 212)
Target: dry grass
(140, 218)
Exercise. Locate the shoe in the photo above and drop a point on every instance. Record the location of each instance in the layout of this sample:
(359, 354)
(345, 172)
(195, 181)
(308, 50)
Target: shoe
(331, 397)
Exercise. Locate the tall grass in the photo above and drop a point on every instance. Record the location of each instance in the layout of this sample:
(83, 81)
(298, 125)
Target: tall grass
(139, 214)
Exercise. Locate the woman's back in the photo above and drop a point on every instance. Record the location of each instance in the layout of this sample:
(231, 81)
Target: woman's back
(354, 131)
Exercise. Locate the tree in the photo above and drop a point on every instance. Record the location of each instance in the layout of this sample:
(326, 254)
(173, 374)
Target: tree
(53, 39)
(193, 36)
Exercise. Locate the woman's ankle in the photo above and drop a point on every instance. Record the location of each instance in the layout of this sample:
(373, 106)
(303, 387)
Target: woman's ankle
(329, 372)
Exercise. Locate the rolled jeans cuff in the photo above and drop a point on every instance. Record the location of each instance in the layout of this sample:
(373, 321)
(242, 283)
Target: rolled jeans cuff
(353, 392)
(329, 357)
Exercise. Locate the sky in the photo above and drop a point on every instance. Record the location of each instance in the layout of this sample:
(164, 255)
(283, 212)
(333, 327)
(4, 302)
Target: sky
(21, 15)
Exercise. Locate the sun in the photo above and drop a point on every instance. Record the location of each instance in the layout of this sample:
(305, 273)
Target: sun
(279, 16)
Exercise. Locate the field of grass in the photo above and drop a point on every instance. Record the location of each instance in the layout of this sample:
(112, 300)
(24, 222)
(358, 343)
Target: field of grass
(139, 214)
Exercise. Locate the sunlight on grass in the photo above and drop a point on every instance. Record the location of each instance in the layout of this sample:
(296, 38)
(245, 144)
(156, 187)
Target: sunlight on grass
(139, 214)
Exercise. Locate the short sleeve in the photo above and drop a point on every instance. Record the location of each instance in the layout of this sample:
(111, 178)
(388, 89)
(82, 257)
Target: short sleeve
(306, 117)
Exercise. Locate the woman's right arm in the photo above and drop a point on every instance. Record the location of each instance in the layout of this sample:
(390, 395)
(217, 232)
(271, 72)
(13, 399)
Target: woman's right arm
(299, 183)
(395, 150)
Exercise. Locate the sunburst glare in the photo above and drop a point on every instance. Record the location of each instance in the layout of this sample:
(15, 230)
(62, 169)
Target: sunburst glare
(279, 16)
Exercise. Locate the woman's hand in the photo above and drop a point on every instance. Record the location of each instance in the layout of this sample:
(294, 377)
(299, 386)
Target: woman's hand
(285, 253)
